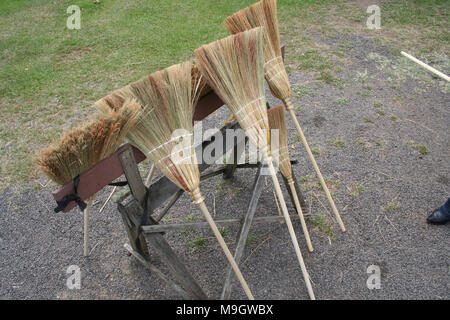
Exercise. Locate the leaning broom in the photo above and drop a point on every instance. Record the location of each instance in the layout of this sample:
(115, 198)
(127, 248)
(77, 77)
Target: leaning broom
(264, 13)
(233, 67)
(277, 121)
(81, 148)
(164, 133)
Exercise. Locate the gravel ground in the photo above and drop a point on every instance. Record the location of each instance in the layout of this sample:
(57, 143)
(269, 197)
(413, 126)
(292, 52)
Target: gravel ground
(37, 246)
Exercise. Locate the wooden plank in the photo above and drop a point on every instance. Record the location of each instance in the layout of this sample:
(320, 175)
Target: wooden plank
(158, 228)
(258, 187)
(97, 177)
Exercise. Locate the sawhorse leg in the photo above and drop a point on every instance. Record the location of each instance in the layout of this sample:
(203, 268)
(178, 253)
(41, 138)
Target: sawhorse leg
(190, 288)
(243, 234)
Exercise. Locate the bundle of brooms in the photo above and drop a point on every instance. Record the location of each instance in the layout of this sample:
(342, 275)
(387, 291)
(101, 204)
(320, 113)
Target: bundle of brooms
(264, 14)
(277, 121)
(233, 67)
(164, 132)
(116, 99)
(81, 148)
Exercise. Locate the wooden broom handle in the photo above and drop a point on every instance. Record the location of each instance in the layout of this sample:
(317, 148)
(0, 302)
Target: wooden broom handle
(288, 104)
(300, 214)
(225, 249)
(290, 227)
(86, 215)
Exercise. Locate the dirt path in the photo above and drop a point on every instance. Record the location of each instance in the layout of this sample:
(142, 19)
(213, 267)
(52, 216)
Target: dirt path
(383, 145)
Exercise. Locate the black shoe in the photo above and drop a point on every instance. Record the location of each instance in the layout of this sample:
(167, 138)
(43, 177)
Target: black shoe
(437, 218)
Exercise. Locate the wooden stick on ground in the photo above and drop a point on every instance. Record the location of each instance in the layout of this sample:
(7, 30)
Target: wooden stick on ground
(436, 72)
(86, 215)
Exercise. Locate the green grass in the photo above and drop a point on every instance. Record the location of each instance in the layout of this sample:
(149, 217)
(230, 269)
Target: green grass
(421, 149)
(381, 112)
(321, 223)
(197, 244)
(391, 206)
(50, 75)
(338, 144)
(368, 120)
(341, 101)
(312, 60)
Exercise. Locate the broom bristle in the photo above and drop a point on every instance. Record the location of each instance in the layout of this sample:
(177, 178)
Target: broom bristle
(277, 121)
(264, 14)
(164, 128)
(116, 99)
(82, 147)
(233, 67)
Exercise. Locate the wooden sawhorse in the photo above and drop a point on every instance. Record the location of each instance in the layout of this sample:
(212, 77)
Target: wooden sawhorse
(152, 233)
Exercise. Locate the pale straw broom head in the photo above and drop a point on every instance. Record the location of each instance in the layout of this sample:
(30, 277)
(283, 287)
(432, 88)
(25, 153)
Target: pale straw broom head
(264, 14)
(82, 147)
(115, 100)
(164, 130)
(233, 67)
(277, 121)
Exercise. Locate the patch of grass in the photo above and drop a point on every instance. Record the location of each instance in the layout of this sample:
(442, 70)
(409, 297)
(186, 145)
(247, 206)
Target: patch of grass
(301, 91)
(317, 151)
(329, 78)
(380, 144)
(393, 118)
(251, 238)
(341, 101)
(304, 179)
(365, 94)
(422, 149)
(361, 76)
(368, 87)
(391, 206)
(381, 112)
(322, 224)
(224, 231)
(377, 104)
(312, 60)
(368, 120)
(197, 244)
(338, 144)
(356, 189)
(190, 218)
(221, 185)
(362, 143)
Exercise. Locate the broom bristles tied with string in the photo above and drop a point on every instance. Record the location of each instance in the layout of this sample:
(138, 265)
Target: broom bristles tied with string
(277, 121)
(264, 14)
(164, 129)
(227, 64)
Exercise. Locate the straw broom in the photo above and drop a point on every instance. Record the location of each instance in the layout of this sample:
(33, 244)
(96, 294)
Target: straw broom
(264, 13)
(82, 147)
(278, 122)
(233, 67)
(164, 132)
